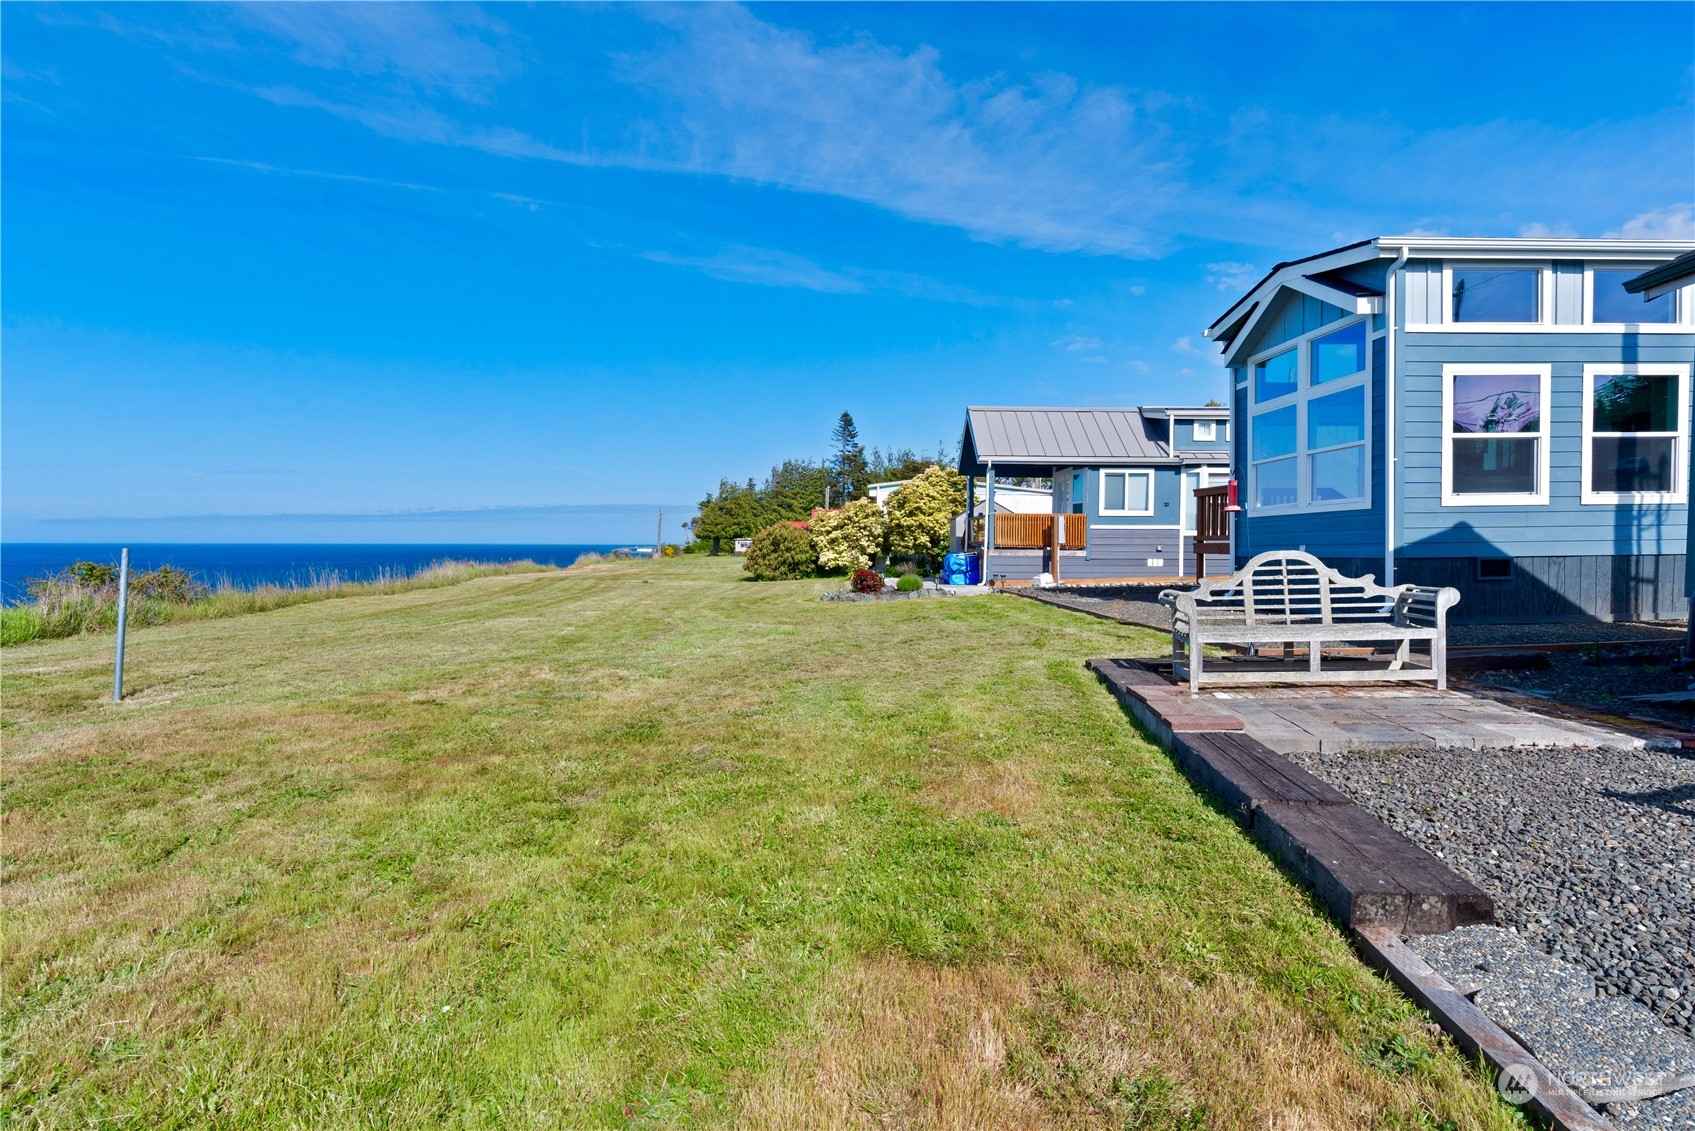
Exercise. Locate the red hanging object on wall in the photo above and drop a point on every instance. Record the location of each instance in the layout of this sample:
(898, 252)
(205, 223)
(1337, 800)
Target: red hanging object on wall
(1232, 507)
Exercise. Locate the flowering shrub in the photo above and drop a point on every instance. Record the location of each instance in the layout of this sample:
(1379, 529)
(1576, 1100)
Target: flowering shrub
(780, 552)
(866, 581)
(849, 538)
(921, 513)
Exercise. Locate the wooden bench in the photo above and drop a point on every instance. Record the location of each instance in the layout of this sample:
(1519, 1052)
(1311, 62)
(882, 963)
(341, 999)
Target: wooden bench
(1287, 597)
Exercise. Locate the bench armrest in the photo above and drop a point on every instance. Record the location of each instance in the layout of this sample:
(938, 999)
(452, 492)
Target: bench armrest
(1425, 605)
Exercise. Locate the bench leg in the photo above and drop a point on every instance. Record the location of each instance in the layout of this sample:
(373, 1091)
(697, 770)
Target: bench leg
(1439, 661)
(1314, 655)
(1194, 665)
(1401, 655)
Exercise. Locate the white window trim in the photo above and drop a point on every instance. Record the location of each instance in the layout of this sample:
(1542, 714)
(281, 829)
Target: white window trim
(1211, 436)
(1544, 296)
(1544, 440)
(1679, 303)
(1305, 391)
(1680, 451)
(1145, 473)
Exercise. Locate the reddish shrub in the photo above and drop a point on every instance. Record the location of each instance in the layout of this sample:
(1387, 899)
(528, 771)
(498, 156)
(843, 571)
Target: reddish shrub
(866, 581)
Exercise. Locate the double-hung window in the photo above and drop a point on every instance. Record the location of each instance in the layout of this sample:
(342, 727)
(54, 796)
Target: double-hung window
(1127, 493)
(1495, 451)
(1310, 427)
(1635, 433)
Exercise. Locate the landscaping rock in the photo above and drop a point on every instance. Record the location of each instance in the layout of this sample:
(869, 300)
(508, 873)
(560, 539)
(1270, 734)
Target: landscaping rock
(1589, 854)
(1608, 1049)
(1674, 1112)
(1485, 958)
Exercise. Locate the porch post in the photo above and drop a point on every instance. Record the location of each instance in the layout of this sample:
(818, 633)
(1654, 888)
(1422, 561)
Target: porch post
(989, 519)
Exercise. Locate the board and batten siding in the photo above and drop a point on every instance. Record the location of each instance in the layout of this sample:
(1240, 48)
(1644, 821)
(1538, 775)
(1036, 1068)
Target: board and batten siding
(1291, 315)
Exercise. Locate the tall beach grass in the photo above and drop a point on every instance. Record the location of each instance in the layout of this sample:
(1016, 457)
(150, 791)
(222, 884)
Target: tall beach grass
(63, 606)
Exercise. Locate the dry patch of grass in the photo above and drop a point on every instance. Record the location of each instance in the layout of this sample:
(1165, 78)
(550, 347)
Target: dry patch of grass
(641, 844)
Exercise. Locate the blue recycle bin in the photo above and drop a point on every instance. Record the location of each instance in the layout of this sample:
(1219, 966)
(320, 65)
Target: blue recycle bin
(961, 569)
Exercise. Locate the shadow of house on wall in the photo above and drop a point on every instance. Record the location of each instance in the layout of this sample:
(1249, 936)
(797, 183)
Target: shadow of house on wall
(1636, 582)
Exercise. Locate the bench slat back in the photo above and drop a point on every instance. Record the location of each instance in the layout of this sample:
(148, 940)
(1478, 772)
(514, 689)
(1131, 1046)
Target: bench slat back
(1293, 587)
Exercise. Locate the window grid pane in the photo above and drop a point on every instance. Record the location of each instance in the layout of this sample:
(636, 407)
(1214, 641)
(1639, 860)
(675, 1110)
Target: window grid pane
(1274, 483)
(1336, 419)
(1338, 475)
(1277, 376)
(1114, 498)
(1274, 433)
(1136, 492)
(1497, 403)
(1633, 464)
(1337, 355)
(1635, 402)
(1495, 465)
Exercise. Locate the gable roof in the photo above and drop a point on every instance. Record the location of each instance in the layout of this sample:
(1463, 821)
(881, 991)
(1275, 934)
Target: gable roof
(1040, 439)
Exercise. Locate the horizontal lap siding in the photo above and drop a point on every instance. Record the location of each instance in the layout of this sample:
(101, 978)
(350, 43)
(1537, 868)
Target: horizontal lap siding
(1167, 487)
(1563, 527)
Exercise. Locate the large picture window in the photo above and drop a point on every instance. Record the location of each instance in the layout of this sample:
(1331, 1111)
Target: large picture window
(1127, 493)
(1635, 433)
(1310, 426)
(1496, 449)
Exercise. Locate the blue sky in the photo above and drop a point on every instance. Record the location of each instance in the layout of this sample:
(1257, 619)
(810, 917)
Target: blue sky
(518, 263)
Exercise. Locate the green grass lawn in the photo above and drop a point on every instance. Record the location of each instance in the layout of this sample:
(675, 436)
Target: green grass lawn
(642, 844)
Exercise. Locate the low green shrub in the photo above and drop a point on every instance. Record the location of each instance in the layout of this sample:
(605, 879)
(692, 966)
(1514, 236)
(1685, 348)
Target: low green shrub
(780, 552)
(910, 583)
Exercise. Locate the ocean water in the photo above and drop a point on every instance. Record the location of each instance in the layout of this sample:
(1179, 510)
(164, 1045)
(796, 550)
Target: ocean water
(245, 565)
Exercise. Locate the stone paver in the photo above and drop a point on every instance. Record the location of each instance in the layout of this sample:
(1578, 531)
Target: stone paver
(1324, 720)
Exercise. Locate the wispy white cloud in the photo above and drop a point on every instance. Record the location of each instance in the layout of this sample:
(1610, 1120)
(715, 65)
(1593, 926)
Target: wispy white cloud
(774, 268)
(763, 267)
(451, 48)
(1077, 343)
(316, 174)
(1229, 276)
(1673, 222)
(1053, 164)
(1543, 231)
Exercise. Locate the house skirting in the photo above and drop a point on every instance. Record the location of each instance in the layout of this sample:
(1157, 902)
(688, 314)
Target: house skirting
(1109, 554)
(1604, 587)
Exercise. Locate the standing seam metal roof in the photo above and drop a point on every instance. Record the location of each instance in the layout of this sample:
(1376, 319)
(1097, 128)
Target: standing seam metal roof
(1061, 435)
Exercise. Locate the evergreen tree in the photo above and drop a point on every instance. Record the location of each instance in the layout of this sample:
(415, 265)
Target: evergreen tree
(847, 465)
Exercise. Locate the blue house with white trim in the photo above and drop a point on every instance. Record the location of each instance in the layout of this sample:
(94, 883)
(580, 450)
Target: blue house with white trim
(1125, 477)
(1498, 415)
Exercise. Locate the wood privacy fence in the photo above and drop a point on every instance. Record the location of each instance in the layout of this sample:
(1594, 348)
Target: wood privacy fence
(1036, 531)
(1212, 525)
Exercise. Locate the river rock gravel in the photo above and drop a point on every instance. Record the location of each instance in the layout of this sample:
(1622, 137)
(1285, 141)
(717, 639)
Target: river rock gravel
(1589, 854)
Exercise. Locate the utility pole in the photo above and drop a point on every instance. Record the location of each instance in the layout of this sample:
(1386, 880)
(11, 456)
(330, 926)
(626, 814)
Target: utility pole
(123, 615)
(659, 533)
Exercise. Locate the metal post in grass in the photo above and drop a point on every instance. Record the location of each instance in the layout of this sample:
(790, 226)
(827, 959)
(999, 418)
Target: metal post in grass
(123, 615)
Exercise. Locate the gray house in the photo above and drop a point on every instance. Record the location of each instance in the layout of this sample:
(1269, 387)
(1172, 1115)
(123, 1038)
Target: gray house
(1499, 415)
(1123, 478)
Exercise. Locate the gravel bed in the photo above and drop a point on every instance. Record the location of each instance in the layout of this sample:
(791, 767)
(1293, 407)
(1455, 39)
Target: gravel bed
(1588, 854)
(1127, 604)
